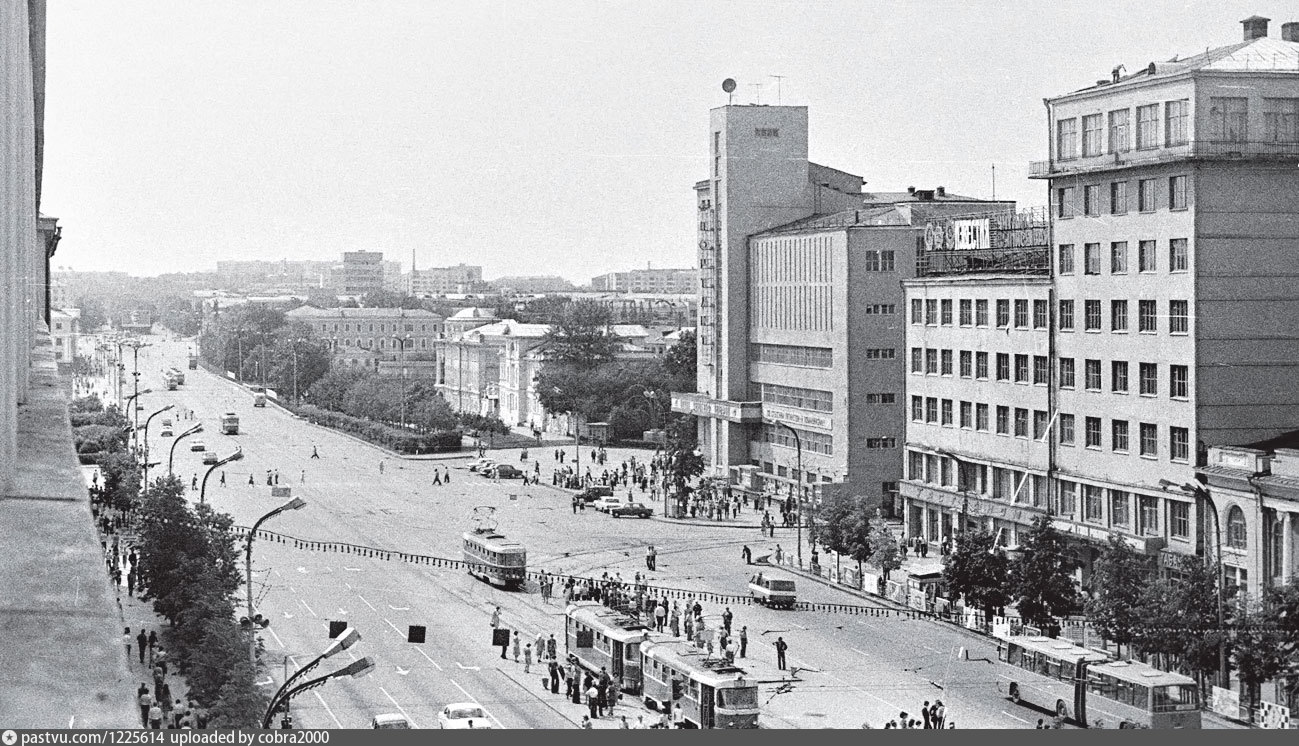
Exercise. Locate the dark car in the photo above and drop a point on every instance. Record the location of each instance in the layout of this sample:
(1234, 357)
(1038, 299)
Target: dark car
(506, 471)
(637, 510)
(594, 492)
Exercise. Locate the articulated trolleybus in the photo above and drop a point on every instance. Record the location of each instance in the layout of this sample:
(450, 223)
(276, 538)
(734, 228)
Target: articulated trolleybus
(665, 671)
(494, 558)
(1086, 686)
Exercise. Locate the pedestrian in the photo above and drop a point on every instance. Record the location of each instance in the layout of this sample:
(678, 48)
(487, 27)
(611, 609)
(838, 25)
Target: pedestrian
(304, 476)
(437, 477)
(130, 589)
(940, 713)
(496, 618)
(651, 557)
(904, 720)
(660, 616)
(780, 553)
(155, 717)
(516, 646)
(781, 647)
(145, 701)
(223, 478)
(446, 476)
(593, 701)
(1041, 724)
(622, 723)
(315, 453)
(586, 723)
(553, 669)
(744, 641)
(380, 467)
(251, 482)
(527, 658)
(727, 616)
(924, 713)
(126, 638)
(747, 554)
(153, 642)
(552, 648)
(193, 482)
(141, 642)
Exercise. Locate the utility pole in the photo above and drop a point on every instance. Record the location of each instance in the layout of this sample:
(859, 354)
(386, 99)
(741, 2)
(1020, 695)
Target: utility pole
(135, 346)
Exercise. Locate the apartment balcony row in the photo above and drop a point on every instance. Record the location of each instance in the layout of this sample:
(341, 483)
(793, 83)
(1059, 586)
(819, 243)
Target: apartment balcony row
(1198, 150)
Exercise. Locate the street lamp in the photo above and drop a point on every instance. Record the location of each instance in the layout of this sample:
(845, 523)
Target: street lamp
(347, 639)
(1206, 504)
(798, 446)
(135, 345)
(401, 342)
(172, 453)
(130, 402)
(293, 504)
(202, 492)
(356, 670)
(146, 440)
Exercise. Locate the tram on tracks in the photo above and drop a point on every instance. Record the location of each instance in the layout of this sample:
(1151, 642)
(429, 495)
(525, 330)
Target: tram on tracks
(494, 558)
(667, 672)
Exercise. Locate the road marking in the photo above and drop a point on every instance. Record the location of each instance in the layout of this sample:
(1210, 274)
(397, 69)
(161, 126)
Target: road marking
(430, 660)
(303, 570)
(308, 608)
(399, 608)
(475, 701)
(1007, 714)
(349, 586)
(331, 712)
(857, 688)
(399, 707)
(352, 569)
(277, 637)
(342, 611)
(402, 671)
(367, 603)
(269, 680)
(292, 589)
(394, 627)
(800, 626)
(287, 615)
(936, 650)
(463, 667)
(861, 652)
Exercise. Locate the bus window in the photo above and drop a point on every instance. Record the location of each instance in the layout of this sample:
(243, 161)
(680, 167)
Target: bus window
(1053, 668)
(1014, 654)
(1100, 684)
(1175, 697)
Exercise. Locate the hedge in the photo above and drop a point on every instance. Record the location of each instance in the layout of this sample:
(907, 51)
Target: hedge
(385, 435)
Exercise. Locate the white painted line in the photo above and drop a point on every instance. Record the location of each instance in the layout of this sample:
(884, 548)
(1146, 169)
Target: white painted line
(394, 627)
(863, 691)
(800, 626)
(936, 650)
(475, 701)
(367, 603)
(399, 608)
(331, 712)
(1007, 714)
(399, 707)
(349, 586)
(292, 589)
(860, 652)
(430, 660)
(277, 637)
(352, 569)
(463, 667)
(308, 608)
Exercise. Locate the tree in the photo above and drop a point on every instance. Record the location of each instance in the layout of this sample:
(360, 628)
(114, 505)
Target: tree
(1041, 578)
(845, 527)
(681, 363)
(296, 349)
(121, 480)
(885, 553)
(581, 336)
(683, 462)
(978, 570)
(330, 390)
(240, 703)
(1268, 646)
(1182, 617)
(1120, 578)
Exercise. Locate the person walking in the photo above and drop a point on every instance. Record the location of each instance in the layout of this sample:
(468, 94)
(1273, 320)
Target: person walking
(552, 648)
(780, 554)
(496, 618)
(223, 478)
(926, 716)
(939, 714)
(651, 557)
(516, 646)
(155, 716)
(126, 638)
(660, 616)
(553, 669)
(145, 700)
(747, 554)
(527, 658)
(141, 642)
(380, 467)
(744, 641)
(781, 647)
(593, 701)
(727, 617)
(315, 453)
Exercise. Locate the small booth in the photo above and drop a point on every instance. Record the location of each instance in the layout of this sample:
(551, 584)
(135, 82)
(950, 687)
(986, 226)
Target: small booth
(922, 589)
(596, 432)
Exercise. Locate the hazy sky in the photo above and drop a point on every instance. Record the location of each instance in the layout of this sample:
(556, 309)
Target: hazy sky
(535, 137)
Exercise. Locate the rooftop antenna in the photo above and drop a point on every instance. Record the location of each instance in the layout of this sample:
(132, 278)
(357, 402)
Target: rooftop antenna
(994, 182)
(757, 93)
(728, 85)
(778, 79)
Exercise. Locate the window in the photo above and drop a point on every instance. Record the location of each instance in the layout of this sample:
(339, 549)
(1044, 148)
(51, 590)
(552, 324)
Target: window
(1120, 141)
(766, 132)
(1092, 375)
(1147, 126)
(931, 312)
(918, 408)
(1092, 199)
(1281, 120)
(1119, 257)
(931, 361)
(881, 398)
(1179, 444)
(1146, 316)
(1093, 504)
(880, 309)
(799, 398)
(945, 312)
(1178, 260)
(1041, 369)
(1003, 366)
(1003, 313)
(947, 362)
(1178, 317)
(1003, 420)
(1093, 432)
(1118, 316)
(967, 364)
(1236, 529)
(1021, 369)
(1040, 314)
(794, 355)
(1146, 195)
(967, 415)
(1068, 497)
(931, 409)
(1092, 315)
(917, 311)
(1228, 119)
(1066, 430)
(967, 312)
(1146, 256)
(1064, 202)
(1119, 376)
(947, 411)
(1177, 192)
(1091, 259)
(1176, 114)
(1066, 373)
(981, 365)
(879, 261)
(1040, 422)
(1120, 508)
(981, 417)
(1149, 376)
(1021, 313)
(1178, 387)
(1066, 315)
(1066, 143)
(915, 466)
(1118, 197)
(880, 443)
(1149, 439)
(812, 442)
(1179, 519)
(1065, 263)
(1148, 515)
(981, 313)
(1021, 423)
(917, 360)
(1093, 131)
(1119, 435)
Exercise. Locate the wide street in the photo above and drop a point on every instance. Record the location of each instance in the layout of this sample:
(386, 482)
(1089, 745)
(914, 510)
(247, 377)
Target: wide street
(850, 668)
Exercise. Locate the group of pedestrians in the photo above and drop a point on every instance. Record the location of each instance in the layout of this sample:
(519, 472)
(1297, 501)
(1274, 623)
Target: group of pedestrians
(932, 716)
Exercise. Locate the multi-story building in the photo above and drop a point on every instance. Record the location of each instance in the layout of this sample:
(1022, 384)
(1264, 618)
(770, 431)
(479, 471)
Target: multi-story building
(288, 274)
(65, 329)
(435, 281)
(648, 280)
(365, 337)
(362, 272)
(532, 284)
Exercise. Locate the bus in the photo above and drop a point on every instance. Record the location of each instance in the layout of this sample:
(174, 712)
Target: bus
(1085, 686)
(598, 637)
(495, 559)
(707, 692)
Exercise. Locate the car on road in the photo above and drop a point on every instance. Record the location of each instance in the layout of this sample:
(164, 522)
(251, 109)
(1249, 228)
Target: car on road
(482, 465)
(197, 446)
(638, 510)
(506, 471)
(608, 503)
(594, 492)
(463, 715)
(390, 721)
(167, 433)
(210, 457)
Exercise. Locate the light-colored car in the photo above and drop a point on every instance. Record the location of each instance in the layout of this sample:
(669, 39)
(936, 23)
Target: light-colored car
(608, 503)
(210, 457)
(197, 445)
(462, 716)
(167, 433)
(390, 721)
(482, 465)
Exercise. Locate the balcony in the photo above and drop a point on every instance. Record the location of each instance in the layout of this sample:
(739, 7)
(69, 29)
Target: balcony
(1199, 150)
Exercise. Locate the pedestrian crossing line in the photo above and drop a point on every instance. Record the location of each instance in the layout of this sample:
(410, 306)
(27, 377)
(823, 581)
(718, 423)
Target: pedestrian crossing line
(308, 608)
(395, 628)
(326, 706)
(396, 704)
(1013, 717)
(473, 699)
(367, 603)
(277, 637)
(430, 660)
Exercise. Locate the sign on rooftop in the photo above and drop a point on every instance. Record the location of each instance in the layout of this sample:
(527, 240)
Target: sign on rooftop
(997, 230)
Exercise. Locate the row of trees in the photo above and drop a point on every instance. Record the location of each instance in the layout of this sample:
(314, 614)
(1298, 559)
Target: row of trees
(264, 348)
(851, 529)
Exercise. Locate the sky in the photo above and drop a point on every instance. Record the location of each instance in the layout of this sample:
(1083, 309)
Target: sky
(531, 136)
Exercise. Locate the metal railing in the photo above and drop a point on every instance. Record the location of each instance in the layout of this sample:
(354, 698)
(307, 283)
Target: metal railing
(1215, 149)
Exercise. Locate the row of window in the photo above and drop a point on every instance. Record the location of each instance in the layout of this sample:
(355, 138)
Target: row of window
(1036, 369)
(1094, 141)
(1094, 258)
(811, 442)
(1148, 198)
(1179, 316)
(368, 344)
(1137, 513)
(791, 396)
(803, 357)
(382, 327)
(878, 261)
(938, 312)
(1147, 377)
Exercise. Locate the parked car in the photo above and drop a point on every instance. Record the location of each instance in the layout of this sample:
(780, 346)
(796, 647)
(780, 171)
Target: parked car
(507, 471)
(607, 503)
(166, 432)
(482, 465)
(463, 715)
(210, 457)
(594, 492)
(390, 720)
(638, 510)
(197, 446)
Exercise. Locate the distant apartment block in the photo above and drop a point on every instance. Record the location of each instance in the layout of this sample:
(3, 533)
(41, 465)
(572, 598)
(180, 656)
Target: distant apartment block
(669, 281)
(532, 284)
(436, 281)
(364, 338)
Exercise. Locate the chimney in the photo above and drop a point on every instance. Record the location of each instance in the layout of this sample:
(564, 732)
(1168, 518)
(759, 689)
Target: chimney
(1255, 27)
(942, 191)
(1290, 31)
(911, 190)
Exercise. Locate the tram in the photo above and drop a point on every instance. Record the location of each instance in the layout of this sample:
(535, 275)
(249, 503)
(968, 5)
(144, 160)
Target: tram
(494, 558)
(601, 638)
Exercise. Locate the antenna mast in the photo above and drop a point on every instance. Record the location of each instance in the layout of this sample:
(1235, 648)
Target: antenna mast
(778, 79)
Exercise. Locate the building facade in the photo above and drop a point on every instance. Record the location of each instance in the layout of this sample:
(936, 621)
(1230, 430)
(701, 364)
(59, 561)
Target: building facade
(366, 272)
(436, 281)
(65, 330)
(669, 281)
(362, 338)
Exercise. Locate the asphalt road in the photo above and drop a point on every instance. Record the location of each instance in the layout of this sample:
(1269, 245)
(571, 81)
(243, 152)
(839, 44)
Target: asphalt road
(852, 669)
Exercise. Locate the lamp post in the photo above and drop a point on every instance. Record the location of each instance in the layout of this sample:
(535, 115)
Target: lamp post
(1205, 503)
(130, 402)
(293, 504)
(960, 487)
(146, 439)
(202, 492)
(347, 639)
(401, 342)
(135, 346)
(356, 670)
(798, 447)
(172, 453)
